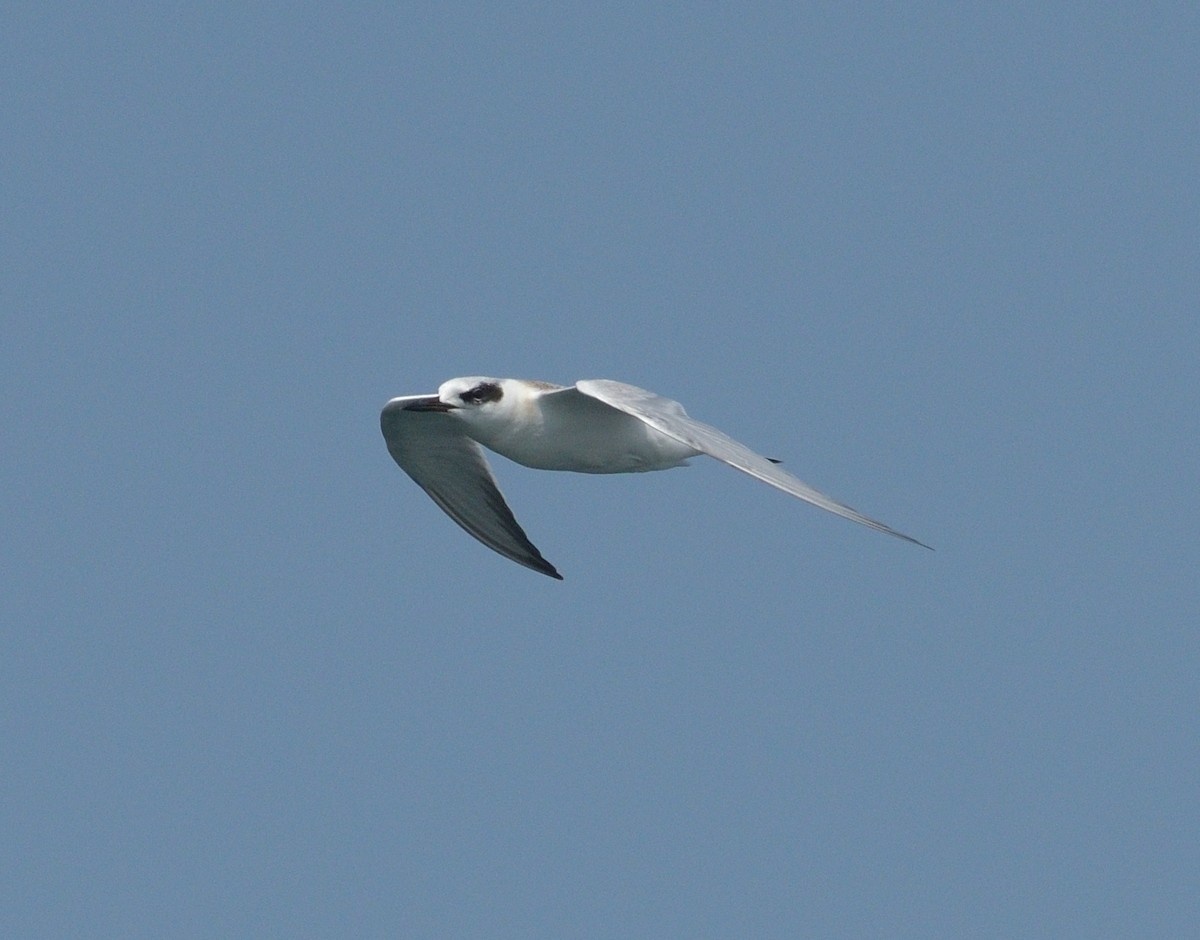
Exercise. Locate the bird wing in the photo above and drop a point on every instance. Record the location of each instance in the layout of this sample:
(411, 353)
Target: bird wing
(431, 448)
(668, 416)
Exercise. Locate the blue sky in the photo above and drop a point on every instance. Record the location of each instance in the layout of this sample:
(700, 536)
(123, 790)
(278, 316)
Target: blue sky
(942, 261)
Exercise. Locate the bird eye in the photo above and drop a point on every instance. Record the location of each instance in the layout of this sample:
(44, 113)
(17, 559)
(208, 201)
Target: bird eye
(483, 392)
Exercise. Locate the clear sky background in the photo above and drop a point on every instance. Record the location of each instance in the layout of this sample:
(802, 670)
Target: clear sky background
(941, 259)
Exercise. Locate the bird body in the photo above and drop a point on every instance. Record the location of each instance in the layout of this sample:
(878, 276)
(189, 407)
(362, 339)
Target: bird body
(595, 426)
(554, 427)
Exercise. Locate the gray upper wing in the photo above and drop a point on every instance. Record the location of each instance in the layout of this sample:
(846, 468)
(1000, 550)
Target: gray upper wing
(451, 468)
(668, 416)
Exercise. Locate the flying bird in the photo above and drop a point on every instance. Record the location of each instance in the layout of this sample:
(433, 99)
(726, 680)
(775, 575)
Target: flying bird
(594, 426)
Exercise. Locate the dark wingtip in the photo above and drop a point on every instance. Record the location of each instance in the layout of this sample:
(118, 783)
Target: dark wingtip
(544, 567)
(915, 542)
(548, 569)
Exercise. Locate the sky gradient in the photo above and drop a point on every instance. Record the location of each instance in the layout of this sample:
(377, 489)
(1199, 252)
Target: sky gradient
(943, 262)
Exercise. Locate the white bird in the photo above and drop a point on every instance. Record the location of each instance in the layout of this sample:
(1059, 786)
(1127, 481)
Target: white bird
(595, 426)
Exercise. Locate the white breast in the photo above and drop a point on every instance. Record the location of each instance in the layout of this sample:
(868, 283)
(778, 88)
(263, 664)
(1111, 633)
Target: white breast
(575, 432)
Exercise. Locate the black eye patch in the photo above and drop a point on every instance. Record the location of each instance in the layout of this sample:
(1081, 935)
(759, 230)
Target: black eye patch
(484, 391)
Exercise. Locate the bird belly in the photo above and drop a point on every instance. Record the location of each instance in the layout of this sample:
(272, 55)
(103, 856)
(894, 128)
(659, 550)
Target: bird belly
(605, 441)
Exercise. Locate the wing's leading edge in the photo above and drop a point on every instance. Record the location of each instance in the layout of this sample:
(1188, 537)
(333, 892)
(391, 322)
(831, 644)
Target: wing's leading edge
(668, 416)
(451, 468)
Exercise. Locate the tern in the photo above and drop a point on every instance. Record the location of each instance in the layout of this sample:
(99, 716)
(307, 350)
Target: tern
(594, 426)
